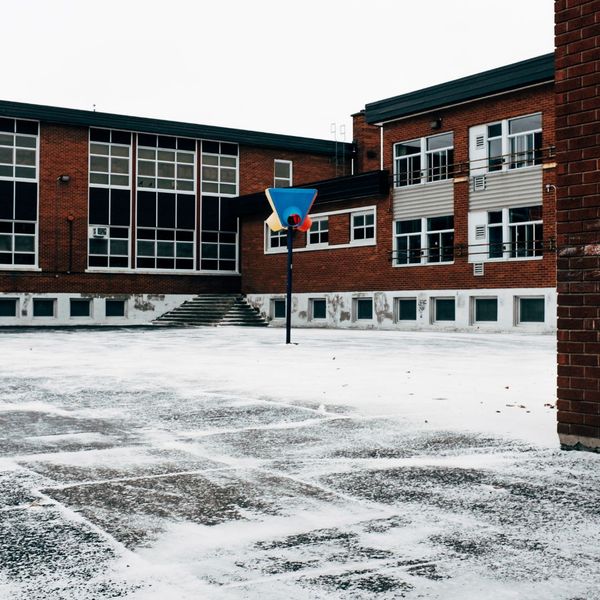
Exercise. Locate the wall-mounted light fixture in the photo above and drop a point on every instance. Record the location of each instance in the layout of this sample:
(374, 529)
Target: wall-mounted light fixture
(436, 123)
(63, 178)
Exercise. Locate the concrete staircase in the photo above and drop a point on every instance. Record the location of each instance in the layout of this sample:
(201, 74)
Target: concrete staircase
(212, 310)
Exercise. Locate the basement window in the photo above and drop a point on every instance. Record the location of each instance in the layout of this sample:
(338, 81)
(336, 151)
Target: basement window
(115, 308)
(8, 307)
(278, 308)
(80, 307)
(44, 307)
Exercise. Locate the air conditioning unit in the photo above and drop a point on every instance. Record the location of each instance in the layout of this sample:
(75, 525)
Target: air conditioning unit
(100, 232)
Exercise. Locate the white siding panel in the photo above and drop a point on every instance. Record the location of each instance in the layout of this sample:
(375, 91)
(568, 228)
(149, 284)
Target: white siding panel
(426, 200)
(520, 187)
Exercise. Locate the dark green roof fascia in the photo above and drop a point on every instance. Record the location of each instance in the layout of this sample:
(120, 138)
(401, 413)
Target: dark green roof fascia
(87, 118)
(503, 79)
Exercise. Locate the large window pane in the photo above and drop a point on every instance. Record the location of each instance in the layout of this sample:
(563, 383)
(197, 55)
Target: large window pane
(531, 310)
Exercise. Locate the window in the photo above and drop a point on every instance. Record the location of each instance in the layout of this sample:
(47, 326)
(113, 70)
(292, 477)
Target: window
(8, 307)
(115, 308)
(444, 309)
(80, 307)
(275, 239)
(425, 240)
(278, 308)
(166, 163)
(18, 192)
(43, 307)
(485, 309)
(363, 308)
(424, 160)
(110, 153)
(508, 144)
(406, 309)
(363, 226)
(512, 233)
(318, 308)
(219, 168)
(166, 216)
(282, 173)
(319, 232)
(531, 310)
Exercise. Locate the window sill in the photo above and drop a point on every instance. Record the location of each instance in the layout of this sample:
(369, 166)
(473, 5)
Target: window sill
(158, 272)
(431, 264)
(424, 183)
(19, 268)
(315, 248)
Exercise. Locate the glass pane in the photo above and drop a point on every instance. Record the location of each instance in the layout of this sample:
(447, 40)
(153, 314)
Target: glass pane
(319, 309)
(531, 310)
(185, 157)
(364, 308)
(119, 180)
(80, 308)
(407, 148)
(119, 247)
(208, 159)
(98, 246)
(98, 163)
(282, 169)
(120, 150)
(279, 309)
(439, 223)
(25, 172)
(495, 130)
(495, 216)
(413, 226)
(146, 153)
(6, 139)
(185, 171)
(166, 249)
(119, 165)
(8, 307)
(146, 167)
(6, 155)
(99, 149)
(407, 309)
(25, 157)
(228, 175)
(145, 248)
(523, 124)
(166, 170)
(227, 188)
(486, 309)
(100, 178)
(210, 250)
(115, 308)
(210, 173)
(166, 155)
(24, 243)
(5, 243)
(227, 161)
(226, 251)
(440, 141)
(444, 309)
(496, 244)
(43, 308)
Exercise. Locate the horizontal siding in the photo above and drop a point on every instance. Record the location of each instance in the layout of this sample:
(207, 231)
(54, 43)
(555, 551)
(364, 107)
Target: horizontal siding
(520, 187)
(427, 200)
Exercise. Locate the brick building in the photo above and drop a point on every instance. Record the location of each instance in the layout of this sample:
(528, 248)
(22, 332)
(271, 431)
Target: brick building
(110, 219)
(578, 221)
(463, 235)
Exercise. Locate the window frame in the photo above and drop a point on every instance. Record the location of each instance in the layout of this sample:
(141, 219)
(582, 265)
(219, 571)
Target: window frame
(319, 233)
(518, 311)
(356, 301)
(311, 309)
(397, 305)
(424, 237)
(87, 301)
(276, 178)
(275, 302)
(474, 320)
(36, 301)
(434, 313)
(15, 302)
(425, 156)
(353, 228)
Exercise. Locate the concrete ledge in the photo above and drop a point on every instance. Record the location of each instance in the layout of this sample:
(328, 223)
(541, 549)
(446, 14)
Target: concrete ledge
(577, 442)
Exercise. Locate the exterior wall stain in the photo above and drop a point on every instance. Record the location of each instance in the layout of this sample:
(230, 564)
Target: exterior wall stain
(141, 304)
(381, 307)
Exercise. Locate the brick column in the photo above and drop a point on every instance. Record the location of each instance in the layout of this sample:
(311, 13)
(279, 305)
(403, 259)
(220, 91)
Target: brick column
(578, 221)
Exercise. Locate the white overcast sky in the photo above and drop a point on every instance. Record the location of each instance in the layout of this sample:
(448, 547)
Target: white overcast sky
(283, 66)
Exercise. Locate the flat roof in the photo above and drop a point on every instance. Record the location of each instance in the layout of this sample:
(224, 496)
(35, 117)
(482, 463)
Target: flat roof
(87, 118)
(503, 79)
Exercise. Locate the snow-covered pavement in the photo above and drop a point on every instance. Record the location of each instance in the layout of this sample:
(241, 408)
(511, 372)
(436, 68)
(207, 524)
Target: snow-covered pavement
(215, 464)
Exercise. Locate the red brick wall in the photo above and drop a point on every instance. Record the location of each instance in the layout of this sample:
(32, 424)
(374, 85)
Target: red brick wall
(370, 268)
(578, 220)
(64, 151)
(368, 144)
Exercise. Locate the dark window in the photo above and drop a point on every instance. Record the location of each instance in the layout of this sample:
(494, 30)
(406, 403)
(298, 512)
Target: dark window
(185, 144)
(185, 211)
(166, 210)
(230, 149)
(7, 125)
(8, 307)
(99, 206)
(146, 209)
(26, 201)
(407, 309)
(6, 200)
(43, 307)
(486, 309)
(80, 308)
(100, 135)
(210, 213)
(364, 308)
(279, 309)
(531, 310)
(121, 137)
(119, 207)
(444, 309)
(146, 140)
(115, 308)
(319, 309)
(167, 142)
(210, 147)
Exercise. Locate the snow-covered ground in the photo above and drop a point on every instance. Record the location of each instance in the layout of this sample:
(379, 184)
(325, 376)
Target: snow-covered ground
(217, 464)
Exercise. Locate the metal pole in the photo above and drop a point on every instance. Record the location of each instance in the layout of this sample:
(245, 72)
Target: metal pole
(288, 300)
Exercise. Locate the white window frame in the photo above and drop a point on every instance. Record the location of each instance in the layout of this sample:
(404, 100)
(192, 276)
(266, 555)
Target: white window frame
(90, 303)
(507, 235)
(353, 227)
(507, 161)
(425, 159)
(434, 309)
(220, 162)
(18, 179)
(517, 312)
(52, 316)
(166, 156)
(397, 302)
(473, 307)
(271, 236)
(283, 181)
(111, 147)
(318, 222)
(424, 242)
